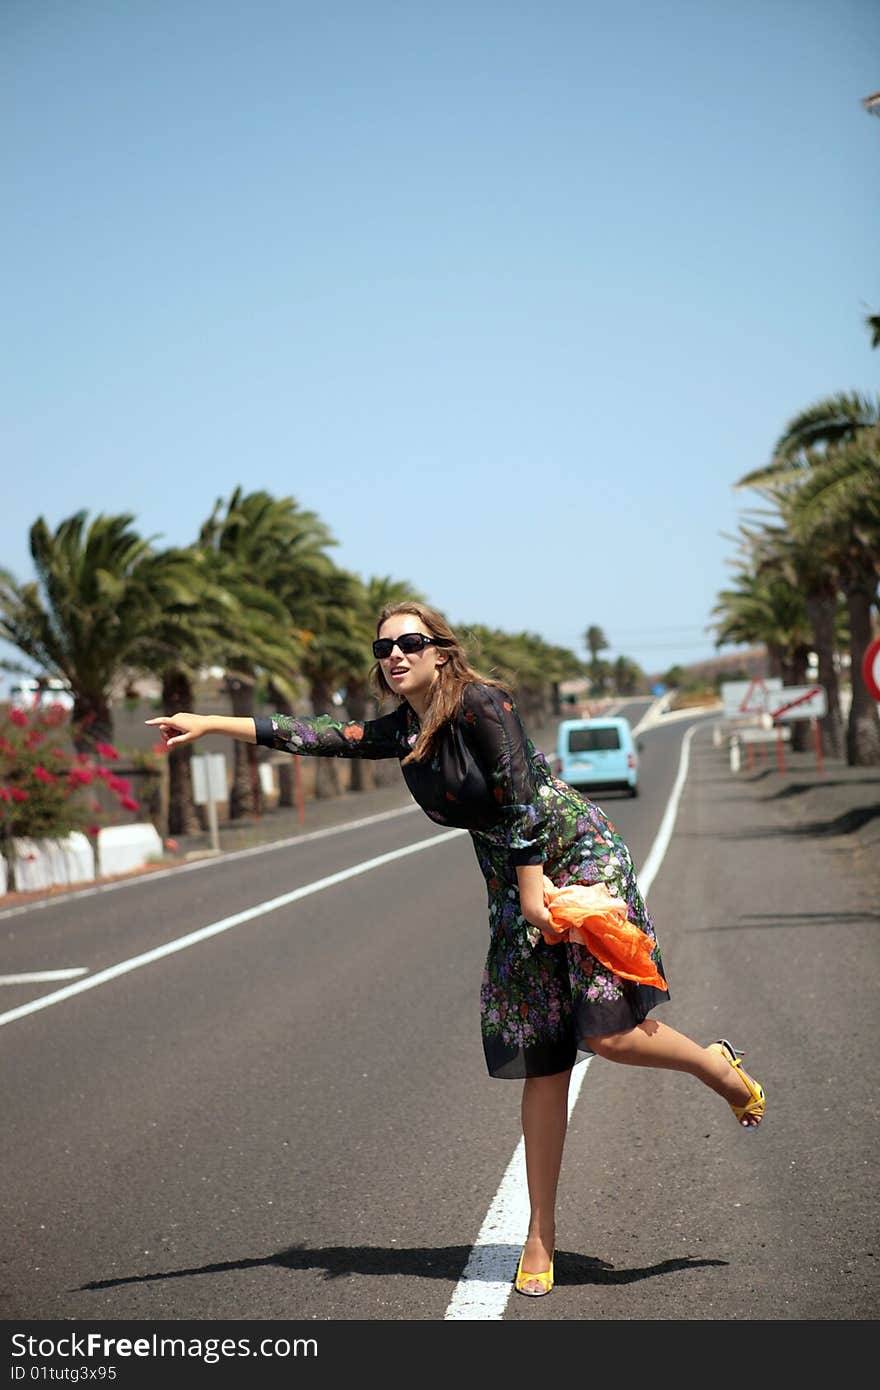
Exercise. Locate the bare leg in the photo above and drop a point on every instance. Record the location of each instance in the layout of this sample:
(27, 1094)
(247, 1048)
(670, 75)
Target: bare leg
(544, 1122)
(653, 1044)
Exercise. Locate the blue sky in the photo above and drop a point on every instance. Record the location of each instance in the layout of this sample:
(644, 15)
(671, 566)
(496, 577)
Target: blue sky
(509, 293)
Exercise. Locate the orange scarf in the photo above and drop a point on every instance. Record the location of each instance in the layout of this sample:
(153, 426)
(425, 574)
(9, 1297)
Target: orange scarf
(591, 916)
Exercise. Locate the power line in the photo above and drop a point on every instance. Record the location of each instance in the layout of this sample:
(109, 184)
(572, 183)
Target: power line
(680, 627)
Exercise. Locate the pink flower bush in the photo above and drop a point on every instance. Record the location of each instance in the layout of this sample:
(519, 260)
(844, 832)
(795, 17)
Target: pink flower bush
(44, 782)
(80, 776)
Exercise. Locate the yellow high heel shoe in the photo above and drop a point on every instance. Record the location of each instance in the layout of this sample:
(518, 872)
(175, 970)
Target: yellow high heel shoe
(545, 1278)
(757, 1101)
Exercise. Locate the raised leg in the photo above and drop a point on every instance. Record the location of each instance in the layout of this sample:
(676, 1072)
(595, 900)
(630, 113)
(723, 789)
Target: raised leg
(654, 1044)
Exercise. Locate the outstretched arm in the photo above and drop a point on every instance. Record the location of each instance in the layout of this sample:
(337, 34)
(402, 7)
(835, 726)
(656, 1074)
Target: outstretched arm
(177, 729)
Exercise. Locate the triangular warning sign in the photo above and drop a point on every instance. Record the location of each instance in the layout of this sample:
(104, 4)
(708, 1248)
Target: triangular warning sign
(755, 699)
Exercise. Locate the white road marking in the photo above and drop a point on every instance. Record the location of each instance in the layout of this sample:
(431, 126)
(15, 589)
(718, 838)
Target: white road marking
(138, 880)
(45, 1001)
(482, 1292)
(484, 1288)
(667, 825)
(35, 976)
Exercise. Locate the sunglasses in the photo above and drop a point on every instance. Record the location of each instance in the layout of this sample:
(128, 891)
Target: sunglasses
(409, 643)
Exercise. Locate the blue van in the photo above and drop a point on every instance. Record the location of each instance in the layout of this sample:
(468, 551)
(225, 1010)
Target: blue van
(598, 753)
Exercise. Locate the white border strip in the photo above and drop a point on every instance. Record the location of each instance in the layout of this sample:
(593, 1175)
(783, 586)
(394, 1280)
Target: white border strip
(214, 928)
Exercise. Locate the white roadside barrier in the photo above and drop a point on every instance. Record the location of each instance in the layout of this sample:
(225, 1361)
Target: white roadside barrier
(42, 863)
(122, 847)
(749, 737)
(47, 863)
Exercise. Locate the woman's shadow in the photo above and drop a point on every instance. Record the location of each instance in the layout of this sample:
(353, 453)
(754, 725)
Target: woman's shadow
(446, 1262)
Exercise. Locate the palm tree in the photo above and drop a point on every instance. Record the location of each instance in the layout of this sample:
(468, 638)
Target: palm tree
(94, 610)
(827, 460)
(271, 554)
(507, 657)
(185, 642)
(595, 641)
(843, 496)
(541, 669)
(765, 607)
(322, 601)
(781, 557)
(628, 676)
(531, 667)
(334, 650)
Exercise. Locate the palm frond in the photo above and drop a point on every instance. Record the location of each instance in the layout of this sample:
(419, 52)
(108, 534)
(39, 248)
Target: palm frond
(830, 421)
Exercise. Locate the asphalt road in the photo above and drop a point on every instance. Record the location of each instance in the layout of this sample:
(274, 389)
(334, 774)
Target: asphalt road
(291, 1119)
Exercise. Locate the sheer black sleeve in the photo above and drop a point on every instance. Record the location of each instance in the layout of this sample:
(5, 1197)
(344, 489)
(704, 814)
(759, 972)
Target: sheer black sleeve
(324, 737)
(500, 745)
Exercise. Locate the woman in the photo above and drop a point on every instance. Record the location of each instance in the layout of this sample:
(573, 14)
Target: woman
(468, 763)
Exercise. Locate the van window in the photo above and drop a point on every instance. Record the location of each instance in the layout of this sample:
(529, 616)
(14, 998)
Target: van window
(593, 740)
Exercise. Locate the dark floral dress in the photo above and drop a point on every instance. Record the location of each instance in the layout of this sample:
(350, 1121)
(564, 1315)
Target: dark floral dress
(538, 1003)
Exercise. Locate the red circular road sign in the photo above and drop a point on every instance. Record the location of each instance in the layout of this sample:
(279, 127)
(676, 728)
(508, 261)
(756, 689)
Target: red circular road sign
(871, 668)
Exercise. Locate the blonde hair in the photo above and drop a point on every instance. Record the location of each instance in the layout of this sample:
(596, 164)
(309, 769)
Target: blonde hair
(454, 672)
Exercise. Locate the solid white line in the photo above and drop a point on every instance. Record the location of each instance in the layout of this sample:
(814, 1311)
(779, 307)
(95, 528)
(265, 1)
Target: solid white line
(35, 976)
(664, 834)
(137, 881)
(225, 924)
(482, 1292)
(484, 1288)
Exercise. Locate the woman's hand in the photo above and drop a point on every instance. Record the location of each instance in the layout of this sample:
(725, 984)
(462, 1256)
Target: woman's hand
(537, 919)
(181, 728)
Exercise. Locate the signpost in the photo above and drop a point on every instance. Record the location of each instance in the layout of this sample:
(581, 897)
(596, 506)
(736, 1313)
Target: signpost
(798, 702)
(801, 702)
(210, 786)
(748, 697)
(770, 702)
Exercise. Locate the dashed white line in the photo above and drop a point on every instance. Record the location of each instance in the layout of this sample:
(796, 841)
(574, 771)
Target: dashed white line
(34, 977)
